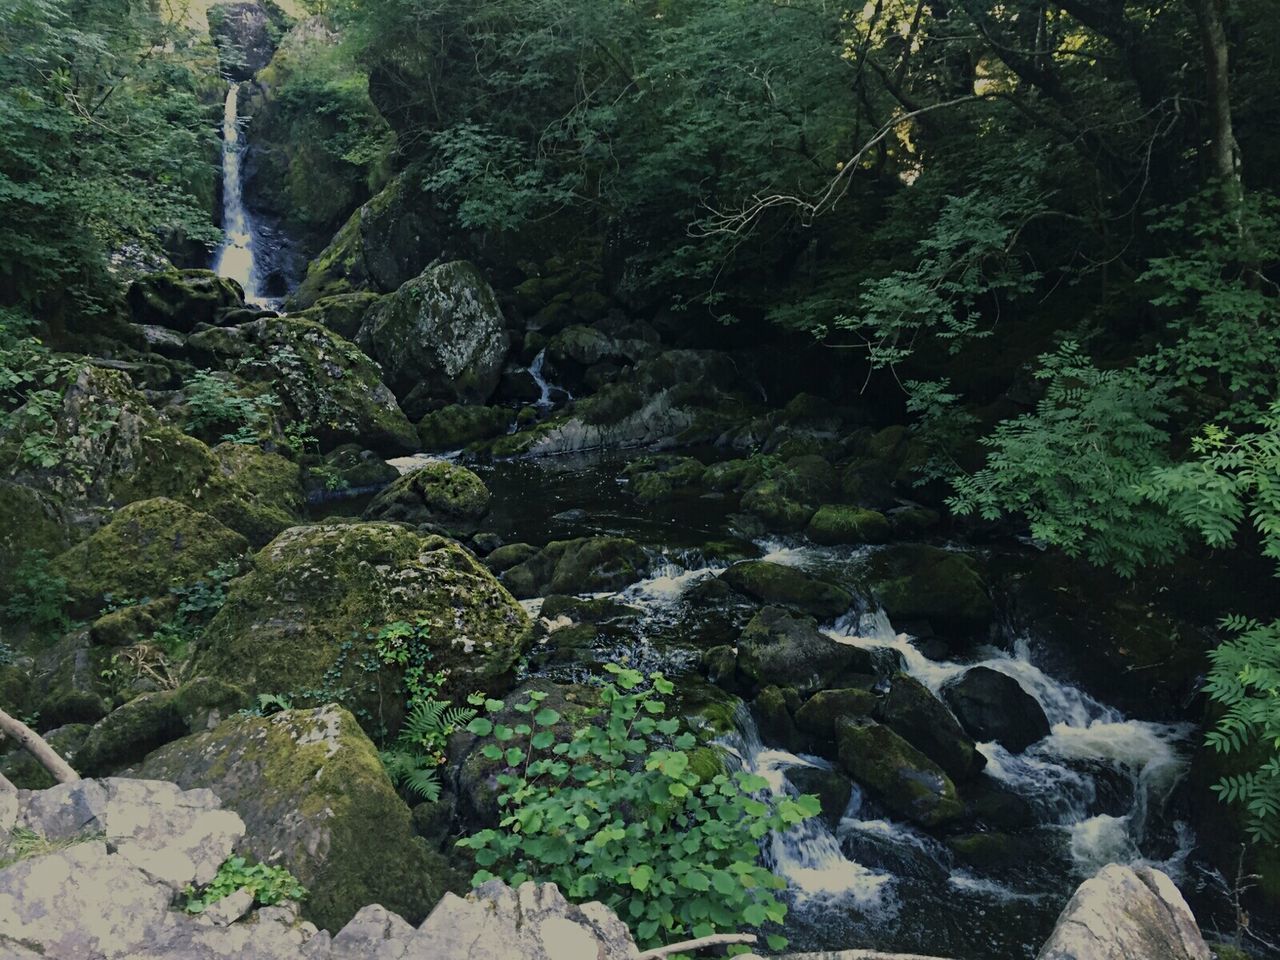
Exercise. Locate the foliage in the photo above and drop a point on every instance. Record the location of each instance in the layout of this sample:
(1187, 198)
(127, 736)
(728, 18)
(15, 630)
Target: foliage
(1075, 466)
(269, 885)
(214, 401)
(37, 597)
(614, 812)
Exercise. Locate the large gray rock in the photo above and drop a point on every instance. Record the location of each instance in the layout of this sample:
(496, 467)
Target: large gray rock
(1126, 913)
(441, 335)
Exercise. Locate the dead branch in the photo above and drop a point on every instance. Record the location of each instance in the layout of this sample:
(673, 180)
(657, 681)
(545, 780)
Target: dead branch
(715, 940)
(35, 745)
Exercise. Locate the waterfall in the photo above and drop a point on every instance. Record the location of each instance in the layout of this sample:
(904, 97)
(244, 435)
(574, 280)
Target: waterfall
(546, 401)
(235, 258)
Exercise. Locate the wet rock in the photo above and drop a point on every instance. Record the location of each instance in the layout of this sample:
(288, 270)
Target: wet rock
(831, 787)
(789, 586)
(901, 777)
(350, 468)
(992, 705)
(574, 350)
(181, 299)
(457, 425)
(720, 664)
(300, 619)
(441, 495)
(915, 582)
(315, 798)
(147, 547)
(770, 501)
(915, 714)
(657, 478)
(818, 716)
(584, 565)
(273, 482)
(734, 475)
(778, 647)
(510, 555)
(1124, 913)
(441, 335)
(836, 524)
(773, 717)
(588, 609)
(344, 313)
(241, 30)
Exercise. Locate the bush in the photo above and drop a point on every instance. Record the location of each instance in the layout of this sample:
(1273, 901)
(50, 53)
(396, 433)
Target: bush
(269, 885)
(614, 813)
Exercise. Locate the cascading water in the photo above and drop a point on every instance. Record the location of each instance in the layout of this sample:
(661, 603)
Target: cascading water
(548, 390)
(235, 258)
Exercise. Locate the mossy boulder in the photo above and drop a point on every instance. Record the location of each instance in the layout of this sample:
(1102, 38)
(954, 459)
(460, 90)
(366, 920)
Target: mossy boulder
(181, 299)
(914, 713)
(298, 623)
(510, 555)
(777, 647)
(916, 582)
(832, 788)
(657, 478)
(900, 776)
(29, 521)
(441, 495)
(774, 720)
(770, 501)
(818, 715)
(838, 523)
(272, 490)
(343, 314)
(315, 799)
(457, 425)
(584, 565)
(789, 586)
(440, 335)
(134, 623)
(735, 475)
(324, 382)
(349, 468)
(26, 773)
(147, 547)
(129, 733)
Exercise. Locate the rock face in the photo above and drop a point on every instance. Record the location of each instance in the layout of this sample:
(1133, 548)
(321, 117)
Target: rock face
(1125, 913)
(441, 335)
(300, 620)
(780, 648)
(313, 796)
(992, 705)
(441, 495)
(323, 381)
(241, 31)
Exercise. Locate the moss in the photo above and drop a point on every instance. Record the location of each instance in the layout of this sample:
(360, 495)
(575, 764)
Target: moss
(820, 713)
(129, 733)
(584, 565)
(789, 586)
(735, 474)
(26, 773)
(835, 524)
(440, 494)
(903, 778)
(707, 763)
(300, 621)
(131, 624)
(769, 501)
(659, 477)
(147, 547)
(180, 299)
(203, 702)
(509, 555)
(927, 583)
(343, 313)
(28, 521)
(455, 426)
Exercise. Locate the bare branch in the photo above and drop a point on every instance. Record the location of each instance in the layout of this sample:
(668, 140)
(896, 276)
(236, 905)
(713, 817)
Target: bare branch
(36, 745)
(715, 940)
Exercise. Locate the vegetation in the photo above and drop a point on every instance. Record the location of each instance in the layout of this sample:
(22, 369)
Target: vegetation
(617, 811)
(269, 885)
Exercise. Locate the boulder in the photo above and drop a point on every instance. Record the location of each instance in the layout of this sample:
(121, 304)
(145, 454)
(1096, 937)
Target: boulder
(818, 716)
(300, 620)
(242, 32)
(778, 647)
(574, 350)
(148, 547)
(274, 484)
(441, 495)
(440, 335)
(901, 777)
(916, 582)
(181, 299)
(659, 477)
(836, 524)
(832, 788)
(348, 470)
(584, 565)
(770, 501)
(774, 720)
(915, 714)
(29, 522)
(315, 798)
(789, 586)
(992, 705)
(129, 733)
(457, 425)
(324, 383)
(344, 313)
(1126, 913)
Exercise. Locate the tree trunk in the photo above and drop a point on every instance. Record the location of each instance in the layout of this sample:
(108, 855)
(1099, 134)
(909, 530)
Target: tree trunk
(35, 745)
(1224, 152)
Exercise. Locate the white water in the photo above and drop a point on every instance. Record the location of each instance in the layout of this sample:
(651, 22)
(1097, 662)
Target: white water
(545, 401)
(235, 258)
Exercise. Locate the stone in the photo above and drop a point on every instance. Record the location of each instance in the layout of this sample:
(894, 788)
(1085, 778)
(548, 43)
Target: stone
(241, 30)
(769, 501)
(992, 705)
(657, 478)
(130, 732)
(832, 788)
(148, 547)
(275, 485)
(440, 335)
(314, 797)
(779, 647)
(789, 586)
(230, 908)
(1126, 913)
(818, 716)
(900, 776)
(441, 495)
(836, 524)
(917, 582)
(300, 619)
(584, 565)
(181, 299)
(349, 470)
(30, 522)
(455, 426)
(773, 717)
(344, 314)
(914, 713)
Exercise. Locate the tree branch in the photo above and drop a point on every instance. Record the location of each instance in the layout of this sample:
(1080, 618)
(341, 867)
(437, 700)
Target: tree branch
(35, 745)
(715, 940)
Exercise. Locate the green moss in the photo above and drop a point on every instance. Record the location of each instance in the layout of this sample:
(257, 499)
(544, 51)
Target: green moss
(903, 778)
(129, 733)
(28, 521)
(584, 565)
(342, 313)
(789, 586)
(455, 426)
(148, 547)
(834, 524)
(440, 493)
(769, 501)
(820, 713)
(916, 582)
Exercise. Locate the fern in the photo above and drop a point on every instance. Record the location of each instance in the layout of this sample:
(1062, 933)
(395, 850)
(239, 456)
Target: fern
(414, 760)
(413, 772)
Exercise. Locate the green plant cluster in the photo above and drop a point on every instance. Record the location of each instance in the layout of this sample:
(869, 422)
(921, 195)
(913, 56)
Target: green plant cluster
(214, 402)
(615, 812)
(269, 885)
(37, 597)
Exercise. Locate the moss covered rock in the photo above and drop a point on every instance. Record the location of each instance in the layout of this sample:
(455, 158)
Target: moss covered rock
(837, 523)
(914, 713)
(270, 487)
(440, 335)
(901, 777)
(818, 716)
(442, 495)
(656, 478)
(147, 547)
(584, 565)
(129, 733)
(324, 383)
(915, 582)
(180, 299)
(770, 501)
(777, 647)
(29, 521)
(298, 624)
(789, 586)
(343, 313)
(314, 798)
(457, 425)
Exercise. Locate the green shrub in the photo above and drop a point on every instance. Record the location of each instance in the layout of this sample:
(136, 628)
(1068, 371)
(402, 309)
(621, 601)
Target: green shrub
(37, 597)
(214, 403)
(269, 885)
(614, 813)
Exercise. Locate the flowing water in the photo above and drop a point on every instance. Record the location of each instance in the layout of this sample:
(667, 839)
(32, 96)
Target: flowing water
(236, 257)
